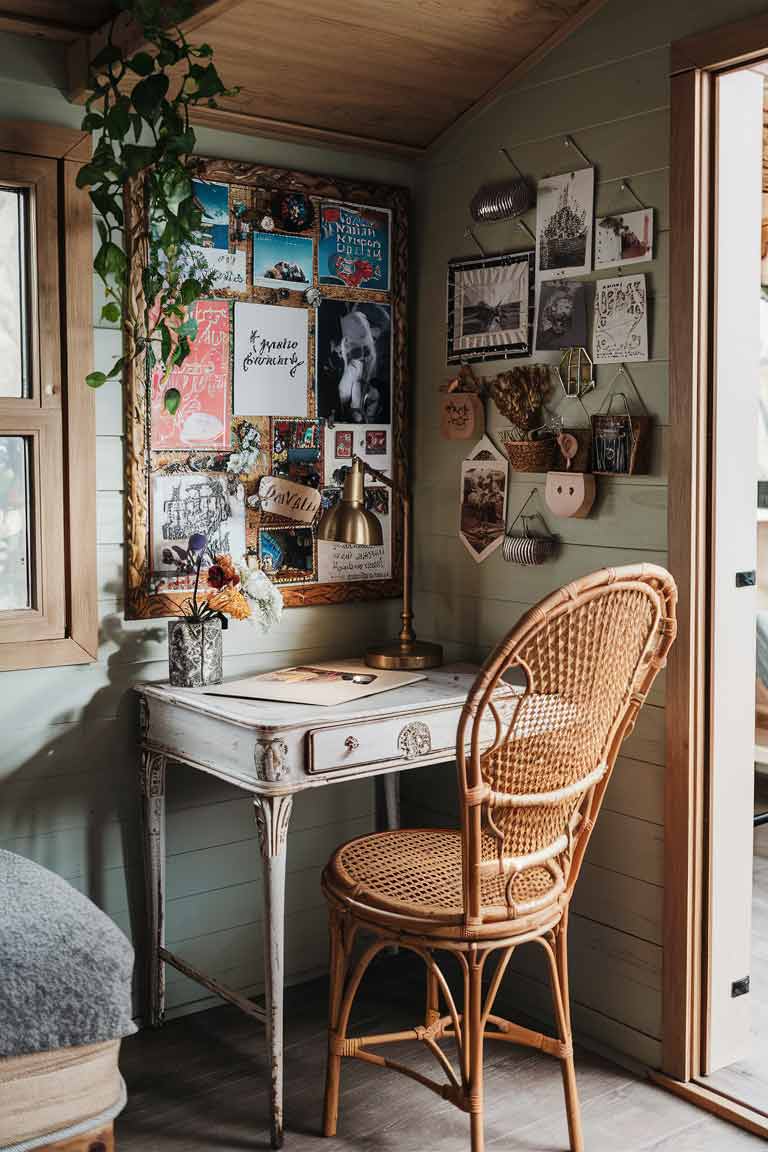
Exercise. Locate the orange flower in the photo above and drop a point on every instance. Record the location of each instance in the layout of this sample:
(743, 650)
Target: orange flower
(231, 602)
(231, 573)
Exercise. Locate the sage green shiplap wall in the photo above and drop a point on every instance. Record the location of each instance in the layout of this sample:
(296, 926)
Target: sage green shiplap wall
(67, 755)
(607, 86)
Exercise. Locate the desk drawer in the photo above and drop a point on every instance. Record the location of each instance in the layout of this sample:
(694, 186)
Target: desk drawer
(361, 744)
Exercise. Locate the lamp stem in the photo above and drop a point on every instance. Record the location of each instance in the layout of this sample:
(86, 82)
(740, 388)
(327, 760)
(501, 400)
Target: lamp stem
(407, 635)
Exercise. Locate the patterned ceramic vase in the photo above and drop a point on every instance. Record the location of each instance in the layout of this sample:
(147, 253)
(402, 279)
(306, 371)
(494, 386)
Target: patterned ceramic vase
(194, 653)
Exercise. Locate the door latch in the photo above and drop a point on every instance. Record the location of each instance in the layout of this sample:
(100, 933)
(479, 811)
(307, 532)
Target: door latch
(746, 579)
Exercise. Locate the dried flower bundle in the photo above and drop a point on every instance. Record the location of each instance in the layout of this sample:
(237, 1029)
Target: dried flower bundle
(520, 393)
(237, 591)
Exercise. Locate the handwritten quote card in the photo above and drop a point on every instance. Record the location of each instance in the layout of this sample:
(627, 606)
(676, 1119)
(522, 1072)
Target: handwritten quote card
(270, 360)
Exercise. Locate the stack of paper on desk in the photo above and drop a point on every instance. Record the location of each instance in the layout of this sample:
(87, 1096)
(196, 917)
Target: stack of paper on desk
(334, 682)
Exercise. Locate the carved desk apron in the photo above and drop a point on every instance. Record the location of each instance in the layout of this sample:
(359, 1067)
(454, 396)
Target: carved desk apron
(272, 750)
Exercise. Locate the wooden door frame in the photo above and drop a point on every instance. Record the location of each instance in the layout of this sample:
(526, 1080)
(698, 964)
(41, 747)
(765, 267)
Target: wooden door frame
(695, 64)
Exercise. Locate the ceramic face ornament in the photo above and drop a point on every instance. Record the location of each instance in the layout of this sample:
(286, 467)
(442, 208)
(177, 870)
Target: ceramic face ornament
(570, 494)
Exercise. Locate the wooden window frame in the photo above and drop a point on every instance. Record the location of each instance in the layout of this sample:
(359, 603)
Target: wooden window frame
(696, 63)
(59, 415)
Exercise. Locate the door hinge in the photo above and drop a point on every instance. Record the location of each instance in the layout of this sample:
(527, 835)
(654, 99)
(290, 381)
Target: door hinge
(740, 987)
(746, 579)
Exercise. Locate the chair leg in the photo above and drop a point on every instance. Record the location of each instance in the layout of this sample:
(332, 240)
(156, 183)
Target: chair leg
(561, 997)
(473, 1038)
(333, 1066)
(432, 1012)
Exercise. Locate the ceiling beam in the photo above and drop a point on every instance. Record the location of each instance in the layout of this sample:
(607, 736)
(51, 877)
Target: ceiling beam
(42, 29)
(127, 36)
(521, 69)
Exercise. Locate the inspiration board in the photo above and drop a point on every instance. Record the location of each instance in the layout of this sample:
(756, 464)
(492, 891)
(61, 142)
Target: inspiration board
(299, 364)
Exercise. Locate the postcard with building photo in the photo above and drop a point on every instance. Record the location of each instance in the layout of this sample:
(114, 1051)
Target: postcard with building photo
(564, 208)
(561, 316)
(624, 238)
(483, 500)
(187, 502)
(489, 307)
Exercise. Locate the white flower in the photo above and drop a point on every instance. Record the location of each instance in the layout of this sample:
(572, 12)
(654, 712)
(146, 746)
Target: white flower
(265, 599)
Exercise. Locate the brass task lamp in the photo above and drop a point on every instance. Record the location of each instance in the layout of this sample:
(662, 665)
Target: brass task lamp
(349, 522)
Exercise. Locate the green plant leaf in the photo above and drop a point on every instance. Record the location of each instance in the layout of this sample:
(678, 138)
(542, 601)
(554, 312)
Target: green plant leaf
(148, 95)
(188, 329)
(165, 342)
(171, 400)
(136, 157)
(111, 313)
(109, 54)
(118, 120)
(190, 291)
(89, 174)
(95, 379)
(91, 121)
(142, 63)
(116, 368)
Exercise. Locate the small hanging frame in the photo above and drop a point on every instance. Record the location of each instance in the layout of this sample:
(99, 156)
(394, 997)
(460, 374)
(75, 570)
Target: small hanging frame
(617, 436)
(576, 373)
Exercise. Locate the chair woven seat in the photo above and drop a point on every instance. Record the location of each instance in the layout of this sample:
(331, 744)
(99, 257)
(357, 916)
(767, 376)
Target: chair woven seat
(417, 871)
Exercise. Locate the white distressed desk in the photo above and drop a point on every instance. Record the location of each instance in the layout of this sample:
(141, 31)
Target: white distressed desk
(273, 750)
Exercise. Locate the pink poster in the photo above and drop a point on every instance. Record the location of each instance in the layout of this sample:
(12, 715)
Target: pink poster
(192, 408)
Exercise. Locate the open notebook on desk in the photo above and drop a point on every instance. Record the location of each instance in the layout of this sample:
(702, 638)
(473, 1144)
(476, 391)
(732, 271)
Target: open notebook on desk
(324, 684)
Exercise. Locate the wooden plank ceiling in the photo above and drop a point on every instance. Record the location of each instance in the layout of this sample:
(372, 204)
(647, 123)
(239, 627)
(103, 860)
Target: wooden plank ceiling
(389, 72)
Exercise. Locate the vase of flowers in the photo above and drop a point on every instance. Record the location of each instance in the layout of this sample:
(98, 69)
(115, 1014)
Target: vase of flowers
(222, 591)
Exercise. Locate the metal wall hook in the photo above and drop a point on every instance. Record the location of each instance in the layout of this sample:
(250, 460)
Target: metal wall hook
(622, 370)
(505, 152)
(469, 234)
(569, 142)
(625, 186)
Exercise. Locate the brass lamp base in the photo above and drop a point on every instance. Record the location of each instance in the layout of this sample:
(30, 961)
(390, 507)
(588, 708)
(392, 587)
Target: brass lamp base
(414, 656)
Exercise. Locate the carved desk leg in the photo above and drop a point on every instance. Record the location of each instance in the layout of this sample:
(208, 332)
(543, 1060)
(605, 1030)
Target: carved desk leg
(392, 800)
(273, 814)
(152, 779)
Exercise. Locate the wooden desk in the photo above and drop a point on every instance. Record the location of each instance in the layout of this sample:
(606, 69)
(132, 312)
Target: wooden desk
(272, 751)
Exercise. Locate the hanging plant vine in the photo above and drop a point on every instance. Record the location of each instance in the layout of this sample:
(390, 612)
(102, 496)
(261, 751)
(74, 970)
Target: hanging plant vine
(140, 104)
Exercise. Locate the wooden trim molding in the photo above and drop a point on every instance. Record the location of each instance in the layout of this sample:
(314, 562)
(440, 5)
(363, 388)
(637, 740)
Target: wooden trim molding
(31, 138)
(720, 48)
(716, 1103)
(687, 518)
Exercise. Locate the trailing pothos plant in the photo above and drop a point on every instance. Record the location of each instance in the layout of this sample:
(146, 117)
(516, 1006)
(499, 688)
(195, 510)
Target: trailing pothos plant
(139, 105)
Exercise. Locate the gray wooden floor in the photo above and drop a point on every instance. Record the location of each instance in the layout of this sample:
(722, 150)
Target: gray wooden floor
(748, 1080)
(199, 1083)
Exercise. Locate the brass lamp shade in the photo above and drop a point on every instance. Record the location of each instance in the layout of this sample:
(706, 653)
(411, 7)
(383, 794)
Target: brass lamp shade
(348, 522)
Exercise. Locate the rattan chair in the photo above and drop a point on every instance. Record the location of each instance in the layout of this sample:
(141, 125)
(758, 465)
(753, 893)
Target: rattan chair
(532, 773)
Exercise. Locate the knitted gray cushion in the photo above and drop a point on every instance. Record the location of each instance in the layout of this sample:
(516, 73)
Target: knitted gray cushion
(65, 968)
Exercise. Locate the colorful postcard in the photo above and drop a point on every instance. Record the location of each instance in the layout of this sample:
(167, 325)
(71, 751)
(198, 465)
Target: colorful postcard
(213, 201)
(483, 501)
(288, 554)
(354, 246)
(281, 261)
(270, 360)
(624, 238)
(354, 362)
(187, 502)
(373, 443)
(564, 208)
(620, 332)
(192, 409)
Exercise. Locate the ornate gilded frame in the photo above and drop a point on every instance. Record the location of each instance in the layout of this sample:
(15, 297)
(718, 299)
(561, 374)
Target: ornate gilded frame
(140, 603)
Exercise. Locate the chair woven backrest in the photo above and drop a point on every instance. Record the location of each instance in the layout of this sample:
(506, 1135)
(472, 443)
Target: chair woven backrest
(533, 768)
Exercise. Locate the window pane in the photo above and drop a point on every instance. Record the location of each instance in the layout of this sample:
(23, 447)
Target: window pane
(14, 256)
(15, 551)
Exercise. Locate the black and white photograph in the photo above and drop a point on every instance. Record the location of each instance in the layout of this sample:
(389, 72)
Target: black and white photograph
(564, 207)
(489, 307)
(561, 317)
(354, 362)
(187, 502)
(483, 500)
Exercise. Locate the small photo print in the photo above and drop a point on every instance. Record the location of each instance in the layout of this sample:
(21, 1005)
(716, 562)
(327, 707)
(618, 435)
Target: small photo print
(483, 500)
(288, 554)
(490, 302)
(375, 442)
(354, 362)
(621, 320)
(564, 206)
(282, 261)
(624, 238)
(342, 443)
(303, 675)
(213, 201)
(561, 320)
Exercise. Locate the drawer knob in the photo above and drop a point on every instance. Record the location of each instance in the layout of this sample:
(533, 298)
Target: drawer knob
(351, 743)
